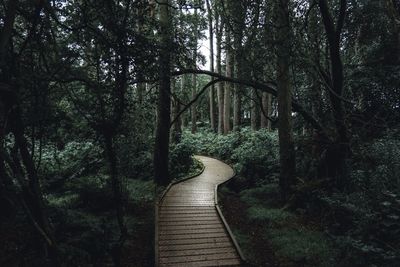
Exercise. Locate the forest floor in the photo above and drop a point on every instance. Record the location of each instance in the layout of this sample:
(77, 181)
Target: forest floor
(271, 236)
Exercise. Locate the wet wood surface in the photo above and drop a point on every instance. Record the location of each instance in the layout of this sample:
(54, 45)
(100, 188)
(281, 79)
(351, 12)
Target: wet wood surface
(190, 232)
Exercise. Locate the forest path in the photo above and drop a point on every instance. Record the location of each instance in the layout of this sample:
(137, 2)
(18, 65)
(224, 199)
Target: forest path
(190, 230)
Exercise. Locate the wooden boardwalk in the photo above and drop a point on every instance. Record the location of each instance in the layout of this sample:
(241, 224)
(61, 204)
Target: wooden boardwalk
(190, 230)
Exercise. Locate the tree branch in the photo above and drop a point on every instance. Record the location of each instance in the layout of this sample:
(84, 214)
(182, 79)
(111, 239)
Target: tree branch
(265, 87)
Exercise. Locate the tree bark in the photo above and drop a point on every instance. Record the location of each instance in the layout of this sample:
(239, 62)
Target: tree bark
(219, 27)
(266, 100)
(176, 132)
(340, 150)
(118, 195)
(228, 85)
(161, 149)
(254, 111)
(213, 123)
(284, 89)
(193, 109)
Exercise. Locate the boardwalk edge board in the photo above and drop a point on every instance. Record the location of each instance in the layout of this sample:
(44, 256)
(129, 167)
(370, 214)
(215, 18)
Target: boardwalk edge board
(158, 203)
(225, 223)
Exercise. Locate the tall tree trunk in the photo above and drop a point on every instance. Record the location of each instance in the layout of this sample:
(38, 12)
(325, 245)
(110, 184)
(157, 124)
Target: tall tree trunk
(266, 100)
(219, 28)
(194, 83)
(193, 108)
(237, 106)
(161, 149)
(212, 89)
(228, 85)
(284, 89)
(116, 186)
(338, 153)
(254, 111)
(176, 132)
(237, 13)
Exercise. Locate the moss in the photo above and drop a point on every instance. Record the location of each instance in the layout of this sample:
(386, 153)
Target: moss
(260, 195)
(302, 246)
(271, 216)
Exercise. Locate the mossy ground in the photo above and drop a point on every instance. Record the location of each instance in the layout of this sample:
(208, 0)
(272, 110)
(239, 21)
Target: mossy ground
(272, 236)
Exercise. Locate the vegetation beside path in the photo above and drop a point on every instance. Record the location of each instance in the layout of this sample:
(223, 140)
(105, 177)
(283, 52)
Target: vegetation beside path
(318, 226)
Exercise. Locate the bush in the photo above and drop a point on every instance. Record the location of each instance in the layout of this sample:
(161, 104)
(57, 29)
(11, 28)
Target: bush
(253, 153)
(180, 157)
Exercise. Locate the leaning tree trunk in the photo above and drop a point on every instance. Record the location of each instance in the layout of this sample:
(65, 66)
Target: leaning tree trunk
(284, 89)
(161, 175)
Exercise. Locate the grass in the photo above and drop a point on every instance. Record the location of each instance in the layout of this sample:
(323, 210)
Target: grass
(270, 215)
(302, 246)
(269, 235)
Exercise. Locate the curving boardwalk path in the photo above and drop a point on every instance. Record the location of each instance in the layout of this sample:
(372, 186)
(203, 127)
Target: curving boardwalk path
(190, 231)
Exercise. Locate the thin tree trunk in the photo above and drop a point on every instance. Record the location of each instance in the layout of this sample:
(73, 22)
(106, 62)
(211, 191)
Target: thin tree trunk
(254, 111)
(220, 92)
(237, 107)
(228, 85)
(284, 89)
(161, 149)
(193, 108)
(177, 126)
(35, 198)
(194, 84)
(212, 89)
(266, 112)
(339, 152)
(116, 186)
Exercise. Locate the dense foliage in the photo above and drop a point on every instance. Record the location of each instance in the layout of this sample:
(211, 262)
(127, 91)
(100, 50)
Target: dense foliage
(103, 103)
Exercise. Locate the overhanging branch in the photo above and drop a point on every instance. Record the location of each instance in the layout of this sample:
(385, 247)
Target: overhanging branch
(194, 100)
(265, 87)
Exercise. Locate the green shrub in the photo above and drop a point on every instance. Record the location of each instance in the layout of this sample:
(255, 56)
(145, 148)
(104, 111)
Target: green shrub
(71, 158)
(253, 153)
(140, 191)
(180, 157)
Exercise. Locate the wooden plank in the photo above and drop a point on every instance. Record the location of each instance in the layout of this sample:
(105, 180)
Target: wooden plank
(193, 241)
(195, 252)
(192, 236)
(187, 219)
(165, 207)
(182, 247)
(226, 262)
(192, 231)
(207, 257)
(195, 222)
(184, 214)
(190, 227)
